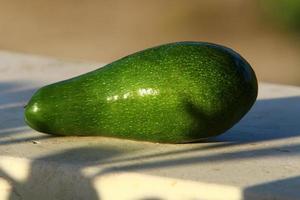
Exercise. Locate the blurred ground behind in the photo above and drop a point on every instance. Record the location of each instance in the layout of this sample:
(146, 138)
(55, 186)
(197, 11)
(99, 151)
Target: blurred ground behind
(103, 31)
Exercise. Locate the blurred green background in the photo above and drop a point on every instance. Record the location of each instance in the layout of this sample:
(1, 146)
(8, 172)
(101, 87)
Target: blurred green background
(265, 32)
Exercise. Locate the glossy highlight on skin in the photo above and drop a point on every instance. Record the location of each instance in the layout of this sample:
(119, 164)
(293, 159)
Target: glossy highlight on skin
(173, 93)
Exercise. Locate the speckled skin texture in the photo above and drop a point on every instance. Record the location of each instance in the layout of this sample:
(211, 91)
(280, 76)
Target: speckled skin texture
(173, 93)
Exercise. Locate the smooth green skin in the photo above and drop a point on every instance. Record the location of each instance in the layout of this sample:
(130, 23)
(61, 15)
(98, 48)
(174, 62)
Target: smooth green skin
(174, 93)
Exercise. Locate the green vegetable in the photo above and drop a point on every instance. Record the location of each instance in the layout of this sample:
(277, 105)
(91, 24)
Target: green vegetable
(174, 93)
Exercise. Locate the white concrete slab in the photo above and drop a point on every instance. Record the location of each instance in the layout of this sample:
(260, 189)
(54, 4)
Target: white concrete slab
(259, 158)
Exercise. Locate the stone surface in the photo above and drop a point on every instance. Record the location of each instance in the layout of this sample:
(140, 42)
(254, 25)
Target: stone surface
(256, 159)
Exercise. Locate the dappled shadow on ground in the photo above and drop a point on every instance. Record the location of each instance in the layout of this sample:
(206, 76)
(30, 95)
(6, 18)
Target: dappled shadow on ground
(287, 188)
(52, 178)
(269, 120)
(282, 151)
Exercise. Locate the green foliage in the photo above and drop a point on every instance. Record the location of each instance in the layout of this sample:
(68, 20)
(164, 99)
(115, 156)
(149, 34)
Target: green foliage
(284, 12)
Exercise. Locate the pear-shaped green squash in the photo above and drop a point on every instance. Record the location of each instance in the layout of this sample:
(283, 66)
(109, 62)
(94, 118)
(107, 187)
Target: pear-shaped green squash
(173, 93)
